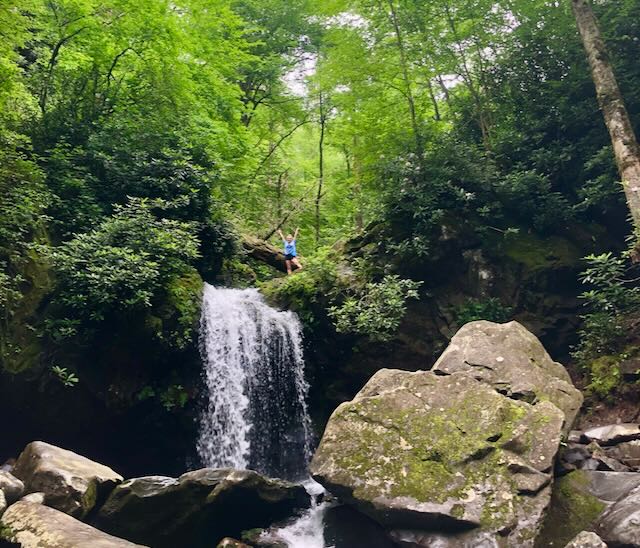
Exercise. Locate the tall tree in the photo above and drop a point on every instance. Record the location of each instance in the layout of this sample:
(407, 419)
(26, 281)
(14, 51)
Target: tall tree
(623, 138)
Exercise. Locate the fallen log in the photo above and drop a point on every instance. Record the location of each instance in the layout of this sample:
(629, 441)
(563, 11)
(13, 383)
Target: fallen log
(264, 252)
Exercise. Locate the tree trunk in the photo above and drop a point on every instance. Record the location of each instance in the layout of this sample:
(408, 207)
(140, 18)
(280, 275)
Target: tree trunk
(616, 117)
(357, 187)
(404, 65)
(469, 80)
(264, 252)
(323, 121)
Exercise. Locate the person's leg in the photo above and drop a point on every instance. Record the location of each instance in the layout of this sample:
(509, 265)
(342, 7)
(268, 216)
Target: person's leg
(288, 263)
(296, 262)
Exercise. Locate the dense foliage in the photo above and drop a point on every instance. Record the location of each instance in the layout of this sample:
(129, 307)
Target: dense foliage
(140, 139)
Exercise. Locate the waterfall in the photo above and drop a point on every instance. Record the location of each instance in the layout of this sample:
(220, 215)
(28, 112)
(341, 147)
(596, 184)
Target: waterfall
(255, 414)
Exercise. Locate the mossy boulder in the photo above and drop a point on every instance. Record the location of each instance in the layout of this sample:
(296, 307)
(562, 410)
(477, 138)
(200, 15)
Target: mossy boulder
(513, 361)
(575, 506)
(199, 508)
(71, 483)
(422, 451)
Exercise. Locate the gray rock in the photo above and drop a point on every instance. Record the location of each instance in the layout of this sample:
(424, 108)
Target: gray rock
(620, 524)
(36, 526)
(575, 436)
(13, 488)
(71, 483)
(613, 433)
(586, 539)
(572, 457)
(608, 464)
(514, 362)
(228, 542)
(627, 452)
(199, 508)
(610, 486)
(425, 451)
(35, 498)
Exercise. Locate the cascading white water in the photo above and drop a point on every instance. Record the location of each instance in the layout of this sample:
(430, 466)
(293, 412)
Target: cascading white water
(255, 415)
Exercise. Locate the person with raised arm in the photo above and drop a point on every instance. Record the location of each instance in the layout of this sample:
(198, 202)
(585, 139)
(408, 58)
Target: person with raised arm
(290, 251)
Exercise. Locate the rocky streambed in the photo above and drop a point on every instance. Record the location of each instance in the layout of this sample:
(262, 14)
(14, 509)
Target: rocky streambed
(477, 452)
(54, 498)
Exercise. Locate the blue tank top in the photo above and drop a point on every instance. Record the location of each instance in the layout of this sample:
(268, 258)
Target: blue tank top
(290, 247)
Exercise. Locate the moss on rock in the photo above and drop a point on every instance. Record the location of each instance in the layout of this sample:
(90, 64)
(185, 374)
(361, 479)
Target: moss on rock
(573, 509)
(536, 253)
(414, 449)
(20, 342)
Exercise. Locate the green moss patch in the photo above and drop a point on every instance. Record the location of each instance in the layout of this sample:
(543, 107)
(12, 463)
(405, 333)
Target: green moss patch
(573, 509)
(536, 253)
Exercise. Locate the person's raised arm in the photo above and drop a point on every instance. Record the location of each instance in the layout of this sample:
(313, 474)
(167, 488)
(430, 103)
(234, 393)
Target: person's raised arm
(281, 234)
(295, 234)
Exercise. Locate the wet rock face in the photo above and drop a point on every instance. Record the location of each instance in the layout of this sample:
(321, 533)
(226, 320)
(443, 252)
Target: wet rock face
(197, 509)
(71, 483)
(514, 362)
(33, 525)
(423, 451)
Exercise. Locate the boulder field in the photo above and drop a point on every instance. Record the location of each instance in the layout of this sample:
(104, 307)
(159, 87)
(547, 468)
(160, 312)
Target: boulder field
(54, 498)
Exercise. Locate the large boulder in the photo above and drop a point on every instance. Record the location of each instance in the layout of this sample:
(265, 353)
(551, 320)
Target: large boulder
(199, 508)
(71, 483)
(514, 362)
(12, 487)
(33, 525)
(620, 524)
(422, 451)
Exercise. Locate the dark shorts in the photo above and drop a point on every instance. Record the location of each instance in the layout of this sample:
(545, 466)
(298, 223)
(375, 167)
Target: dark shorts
(289, 257)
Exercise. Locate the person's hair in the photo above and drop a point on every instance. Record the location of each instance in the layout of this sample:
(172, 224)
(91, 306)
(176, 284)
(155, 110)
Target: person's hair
(289, 235)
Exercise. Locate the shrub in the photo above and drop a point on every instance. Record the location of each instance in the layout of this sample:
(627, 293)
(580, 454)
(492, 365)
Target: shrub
(123, 263)
(377, 309)
(611, 299)
(490, 309)
(302, 291)
(611, 302)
